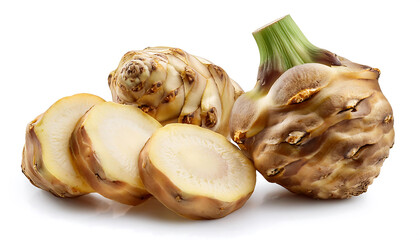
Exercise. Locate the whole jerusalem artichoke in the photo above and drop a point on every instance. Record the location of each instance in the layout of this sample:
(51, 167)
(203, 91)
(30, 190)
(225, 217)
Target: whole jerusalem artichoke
(315, 123)
(173, 86)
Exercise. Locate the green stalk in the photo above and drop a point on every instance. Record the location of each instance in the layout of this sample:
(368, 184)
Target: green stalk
(282, 46)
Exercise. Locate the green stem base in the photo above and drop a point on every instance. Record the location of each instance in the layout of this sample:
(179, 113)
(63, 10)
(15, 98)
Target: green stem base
(282, 46)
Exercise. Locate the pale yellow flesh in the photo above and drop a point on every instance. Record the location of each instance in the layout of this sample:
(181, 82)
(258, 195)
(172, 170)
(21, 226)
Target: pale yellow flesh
(201, 162)
(54, 130)
(118, 133)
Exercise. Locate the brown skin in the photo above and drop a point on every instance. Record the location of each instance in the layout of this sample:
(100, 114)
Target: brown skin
(89, 166)
(34, 170)
(186, 205)
(325, 132)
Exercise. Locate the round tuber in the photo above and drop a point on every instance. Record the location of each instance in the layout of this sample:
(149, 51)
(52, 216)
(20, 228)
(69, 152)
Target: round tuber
(315, 123)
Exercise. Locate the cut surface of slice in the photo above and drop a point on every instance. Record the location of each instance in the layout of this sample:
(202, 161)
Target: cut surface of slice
(47, 159)
(196, 172)
(106, 144)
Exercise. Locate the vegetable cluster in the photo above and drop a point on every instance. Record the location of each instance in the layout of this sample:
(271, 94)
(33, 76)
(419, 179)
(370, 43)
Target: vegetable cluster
(315, 123)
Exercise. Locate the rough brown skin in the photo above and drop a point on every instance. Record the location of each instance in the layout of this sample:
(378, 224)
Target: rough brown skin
(89, 167)
(182, 203)
(172, 85)
(322, 131)
(34, 170)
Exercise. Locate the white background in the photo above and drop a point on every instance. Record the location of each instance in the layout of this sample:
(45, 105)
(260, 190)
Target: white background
(49, 50)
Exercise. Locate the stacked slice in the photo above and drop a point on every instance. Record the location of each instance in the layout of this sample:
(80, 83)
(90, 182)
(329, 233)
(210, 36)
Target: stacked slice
(47, 159)
(196, 172)
(106, 143)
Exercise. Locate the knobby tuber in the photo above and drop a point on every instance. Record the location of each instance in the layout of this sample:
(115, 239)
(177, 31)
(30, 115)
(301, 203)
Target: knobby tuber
(172, 86)
(315, 123)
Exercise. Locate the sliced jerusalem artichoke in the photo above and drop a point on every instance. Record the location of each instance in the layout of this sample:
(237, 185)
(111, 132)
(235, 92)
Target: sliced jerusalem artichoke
(106, 144)
(47, 160)
(173, 86)
(315, 123)
(195, 172)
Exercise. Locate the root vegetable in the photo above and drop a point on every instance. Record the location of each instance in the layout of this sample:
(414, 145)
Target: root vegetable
(106, 144)
(47, 161)
(315, 123)
(195, 172)
(173, 86)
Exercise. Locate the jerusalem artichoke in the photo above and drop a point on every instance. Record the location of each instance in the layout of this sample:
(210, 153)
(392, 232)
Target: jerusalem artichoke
(315, 123)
